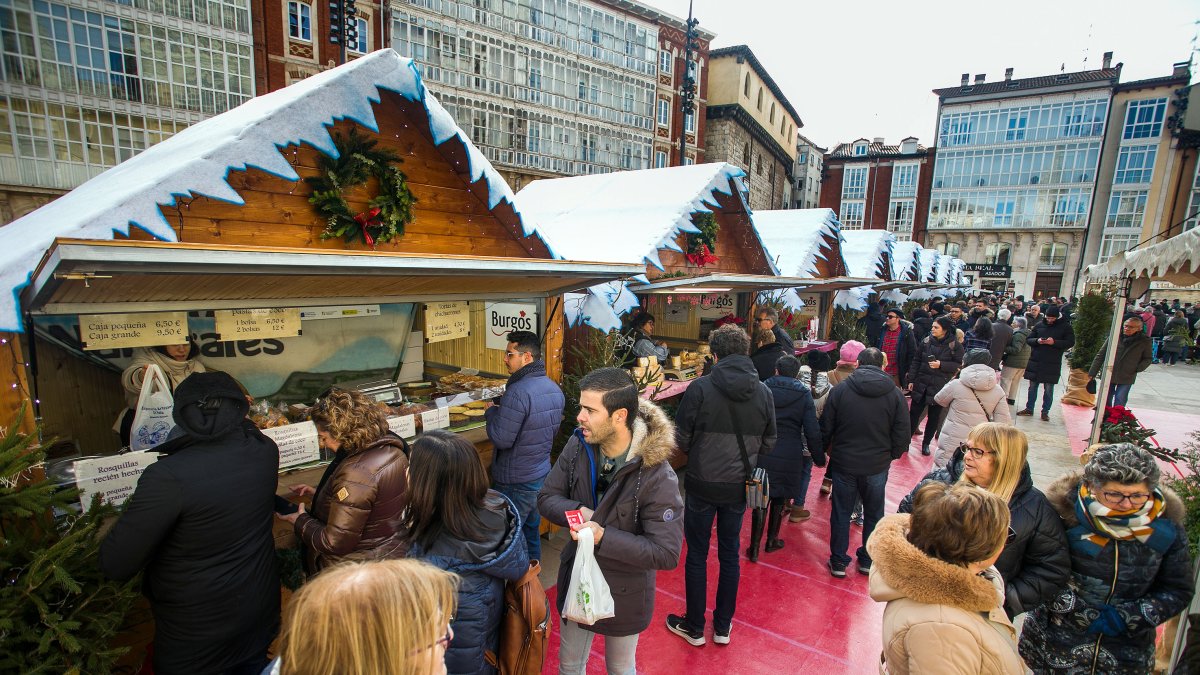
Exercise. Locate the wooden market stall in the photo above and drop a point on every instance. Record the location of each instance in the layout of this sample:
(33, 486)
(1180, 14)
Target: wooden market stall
(349, 204)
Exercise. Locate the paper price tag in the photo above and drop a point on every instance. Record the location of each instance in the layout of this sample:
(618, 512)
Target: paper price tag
(404, 426)
(435, 419)
(297, 443)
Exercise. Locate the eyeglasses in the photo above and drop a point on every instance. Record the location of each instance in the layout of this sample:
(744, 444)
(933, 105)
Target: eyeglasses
(892, 316)
(976, 453)
(444, 641)
(1136, 499)
(512, 355)
(761, 319)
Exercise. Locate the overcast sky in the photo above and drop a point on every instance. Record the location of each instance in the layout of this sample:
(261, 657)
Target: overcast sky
(856, 68)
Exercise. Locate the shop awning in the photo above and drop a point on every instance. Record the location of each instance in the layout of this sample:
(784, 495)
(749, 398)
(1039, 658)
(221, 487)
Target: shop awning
(88, 276)
(741, 283)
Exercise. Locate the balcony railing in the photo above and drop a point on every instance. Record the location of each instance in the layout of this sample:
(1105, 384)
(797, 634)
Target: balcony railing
(1055, 262)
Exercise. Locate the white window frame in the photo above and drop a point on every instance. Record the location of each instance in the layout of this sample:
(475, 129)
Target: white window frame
(901, 214)
(993, 251)
(303, 12)
(945, 248)
(852, 214)
(664, 113)
(904, 179)
(854, 182)
(363, 44)
(1193, 203)
(1113, 243)
(1144, 118)
(660, 159)
(689, 122)
(665, 61)
(1126, 210)
(1135, 164)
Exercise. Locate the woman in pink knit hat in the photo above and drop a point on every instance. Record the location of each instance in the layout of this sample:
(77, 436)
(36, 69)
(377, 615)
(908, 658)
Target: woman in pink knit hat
(847, 362)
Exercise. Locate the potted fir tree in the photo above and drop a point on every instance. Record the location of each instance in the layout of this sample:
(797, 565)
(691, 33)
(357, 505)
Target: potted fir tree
(1093, 316)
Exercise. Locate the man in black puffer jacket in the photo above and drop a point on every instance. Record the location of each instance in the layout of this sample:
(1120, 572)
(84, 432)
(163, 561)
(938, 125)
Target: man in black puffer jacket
(200, 523)
(865, 427)
(1035, 562)
(724, 422)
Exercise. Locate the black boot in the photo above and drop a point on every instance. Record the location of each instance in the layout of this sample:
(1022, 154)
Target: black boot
(774, 520)
(757, 520)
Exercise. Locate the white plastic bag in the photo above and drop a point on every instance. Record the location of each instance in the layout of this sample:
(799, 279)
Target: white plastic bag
(152, 421)
(588, 597)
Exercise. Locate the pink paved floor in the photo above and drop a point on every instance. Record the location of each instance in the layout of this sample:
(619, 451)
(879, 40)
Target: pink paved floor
(1172, 429)
(792, 616)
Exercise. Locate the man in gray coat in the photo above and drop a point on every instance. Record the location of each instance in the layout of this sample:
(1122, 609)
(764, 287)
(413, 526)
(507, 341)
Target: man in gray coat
(1134, 354)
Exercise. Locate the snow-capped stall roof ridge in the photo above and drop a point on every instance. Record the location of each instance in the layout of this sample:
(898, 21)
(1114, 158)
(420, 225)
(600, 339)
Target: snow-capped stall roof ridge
(929, 263)
(197, 161)
(624, 216)
(905, 258)
(796, 239)
(863, 251)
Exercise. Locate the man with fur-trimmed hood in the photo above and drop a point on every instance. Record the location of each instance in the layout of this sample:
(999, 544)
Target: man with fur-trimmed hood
(616, 471)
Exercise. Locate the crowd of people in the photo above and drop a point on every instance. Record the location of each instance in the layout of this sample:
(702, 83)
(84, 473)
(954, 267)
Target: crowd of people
(408, 547)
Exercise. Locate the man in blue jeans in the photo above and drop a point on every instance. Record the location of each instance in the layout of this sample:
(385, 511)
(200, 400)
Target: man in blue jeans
(522, 426)
(724, 422)
(865, 427)
(1048, 341)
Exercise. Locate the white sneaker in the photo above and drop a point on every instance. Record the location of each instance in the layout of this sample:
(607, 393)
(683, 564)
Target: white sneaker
(722, 639)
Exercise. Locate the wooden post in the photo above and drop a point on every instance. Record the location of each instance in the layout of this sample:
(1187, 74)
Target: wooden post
(14, 383)
(552, 345)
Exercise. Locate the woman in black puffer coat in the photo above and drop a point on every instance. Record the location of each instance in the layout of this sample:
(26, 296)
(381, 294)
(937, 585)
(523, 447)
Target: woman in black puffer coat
(1035, 564)
(940, 348)
(789, 464)
(1130, 568)
(766, 352)
(456, 523)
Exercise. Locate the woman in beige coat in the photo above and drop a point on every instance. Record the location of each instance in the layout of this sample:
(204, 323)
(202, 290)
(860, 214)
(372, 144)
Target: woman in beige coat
(944, 611)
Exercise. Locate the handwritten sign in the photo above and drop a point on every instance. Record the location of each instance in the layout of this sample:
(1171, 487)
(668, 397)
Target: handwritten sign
(297, 443)
(115, 477)
(717, 305)
(435, 419)
(404, 426)
(447, 321)
(503, 318)
(144, 329)
(253, 324)
(338, 312)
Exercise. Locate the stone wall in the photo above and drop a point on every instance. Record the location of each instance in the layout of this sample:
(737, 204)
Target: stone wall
(727, 141)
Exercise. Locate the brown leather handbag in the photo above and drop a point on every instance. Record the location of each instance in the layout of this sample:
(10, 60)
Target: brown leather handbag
(524, 629)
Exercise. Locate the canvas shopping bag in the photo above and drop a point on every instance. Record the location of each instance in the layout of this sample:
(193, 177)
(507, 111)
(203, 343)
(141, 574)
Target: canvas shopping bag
(152, 420)
(588, 596)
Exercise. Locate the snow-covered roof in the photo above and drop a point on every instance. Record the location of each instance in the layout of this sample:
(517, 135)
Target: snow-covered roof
(905, 258)
(1176, 260)
(197, 160)
(929, 262)
(863, 251)
(624, 216)
(796, 239)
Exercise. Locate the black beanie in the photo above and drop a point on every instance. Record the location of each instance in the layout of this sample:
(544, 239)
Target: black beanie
(209, 404)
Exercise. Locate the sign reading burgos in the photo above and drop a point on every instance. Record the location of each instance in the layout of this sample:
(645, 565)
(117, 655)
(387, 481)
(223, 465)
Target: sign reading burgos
(505, 317)
(717, 305)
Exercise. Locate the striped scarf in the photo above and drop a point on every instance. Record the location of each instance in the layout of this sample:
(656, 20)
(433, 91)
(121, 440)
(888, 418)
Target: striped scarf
(1098, 523)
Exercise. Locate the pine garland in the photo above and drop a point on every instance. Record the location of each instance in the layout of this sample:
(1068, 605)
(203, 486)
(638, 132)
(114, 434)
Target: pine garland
(58, 614)
(357, 162)
(707, 236)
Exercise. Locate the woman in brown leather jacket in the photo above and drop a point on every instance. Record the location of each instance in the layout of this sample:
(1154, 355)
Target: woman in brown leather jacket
(356, 506)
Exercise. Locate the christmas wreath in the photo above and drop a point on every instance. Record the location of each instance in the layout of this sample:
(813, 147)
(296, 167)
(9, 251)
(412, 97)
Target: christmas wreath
(357, 162)
(701, 245)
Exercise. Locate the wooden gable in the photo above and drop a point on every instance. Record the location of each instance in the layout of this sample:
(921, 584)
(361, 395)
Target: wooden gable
(738, 247)
(451, 215)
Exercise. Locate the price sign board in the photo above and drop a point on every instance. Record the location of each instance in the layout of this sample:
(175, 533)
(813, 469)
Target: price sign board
(435, 419)
(115, 477)
(447, 321)
(144, 329)
(253, 324)
(404, 426)
(297, 443)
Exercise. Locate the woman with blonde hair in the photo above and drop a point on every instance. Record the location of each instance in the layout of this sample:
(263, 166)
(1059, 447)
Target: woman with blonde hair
(1035, 563)
(356, 506)
(389, 616)
(934, 569)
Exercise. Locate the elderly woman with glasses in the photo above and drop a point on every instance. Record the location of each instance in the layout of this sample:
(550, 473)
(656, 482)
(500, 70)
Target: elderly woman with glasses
(1130, 568)
(1034, 564)
(356, 506)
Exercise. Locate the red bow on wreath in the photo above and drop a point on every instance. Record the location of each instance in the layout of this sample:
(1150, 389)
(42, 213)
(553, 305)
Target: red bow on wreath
(702, 257)
(368, 219)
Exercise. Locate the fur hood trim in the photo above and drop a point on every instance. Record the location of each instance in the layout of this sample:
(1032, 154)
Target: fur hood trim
(653, 435)
(1061, 495)
(901, 570)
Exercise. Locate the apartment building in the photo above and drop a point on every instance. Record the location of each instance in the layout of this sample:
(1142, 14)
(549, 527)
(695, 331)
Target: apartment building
(806, 174)
(875, 186)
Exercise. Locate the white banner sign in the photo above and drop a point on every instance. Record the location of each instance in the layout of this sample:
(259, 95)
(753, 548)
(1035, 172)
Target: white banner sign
(338, 312)
(115, 476)
(297, 443)
(503, 318)
(717, 305)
